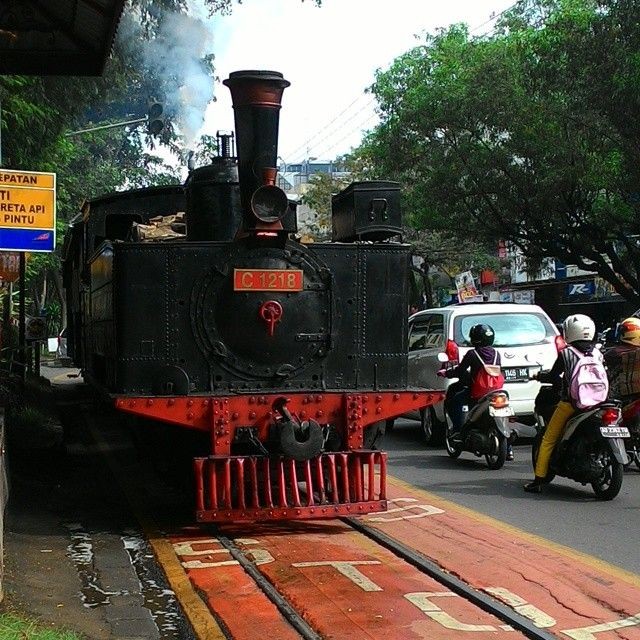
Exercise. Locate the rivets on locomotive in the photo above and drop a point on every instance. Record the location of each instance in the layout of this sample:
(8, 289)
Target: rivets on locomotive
(396, 396)
(171, 402)
(252, 414)
(235, 415)
(319, 414)
(190, 416)
(149, 402)
(378, 398)
(189, 403)
(252, 400)
(378, 409)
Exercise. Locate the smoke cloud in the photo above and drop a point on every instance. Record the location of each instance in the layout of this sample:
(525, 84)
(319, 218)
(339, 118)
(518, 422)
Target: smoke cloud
(177, 57)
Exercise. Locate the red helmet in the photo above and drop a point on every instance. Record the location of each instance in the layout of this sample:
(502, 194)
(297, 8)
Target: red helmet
(629, 331)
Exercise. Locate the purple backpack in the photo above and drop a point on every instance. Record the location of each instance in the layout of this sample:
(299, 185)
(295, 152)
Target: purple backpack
(588, 382)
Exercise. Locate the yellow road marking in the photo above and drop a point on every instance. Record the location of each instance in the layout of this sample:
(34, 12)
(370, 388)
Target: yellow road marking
(596, 563)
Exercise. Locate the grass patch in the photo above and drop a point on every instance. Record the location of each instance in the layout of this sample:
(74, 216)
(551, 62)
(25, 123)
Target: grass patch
(14, 627)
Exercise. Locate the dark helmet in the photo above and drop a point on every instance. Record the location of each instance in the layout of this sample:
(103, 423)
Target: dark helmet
(481, 335)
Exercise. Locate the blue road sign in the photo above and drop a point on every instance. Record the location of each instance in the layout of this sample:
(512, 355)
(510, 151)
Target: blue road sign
(32, 240)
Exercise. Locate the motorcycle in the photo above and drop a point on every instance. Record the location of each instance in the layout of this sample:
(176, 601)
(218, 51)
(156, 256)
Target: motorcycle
(592, 447)
(631, 420)
(485, 430)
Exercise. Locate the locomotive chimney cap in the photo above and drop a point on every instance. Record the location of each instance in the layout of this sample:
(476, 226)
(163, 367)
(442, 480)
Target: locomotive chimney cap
(256, 88)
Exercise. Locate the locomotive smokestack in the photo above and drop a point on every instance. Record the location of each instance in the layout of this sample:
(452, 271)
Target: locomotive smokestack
(256, 97)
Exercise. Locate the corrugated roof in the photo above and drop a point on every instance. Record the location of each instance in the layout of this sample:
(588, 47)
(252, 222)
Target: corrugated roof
(57, 37)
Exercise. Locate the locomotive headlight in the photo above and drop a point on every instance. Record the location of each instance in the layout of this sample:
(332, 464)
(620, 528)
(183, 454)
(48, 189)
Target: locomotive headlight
(269, 203)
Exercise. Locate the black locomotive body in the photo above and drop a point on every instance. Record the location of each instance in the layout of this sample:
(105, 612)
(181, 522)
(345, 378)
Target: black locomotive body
(289, 356)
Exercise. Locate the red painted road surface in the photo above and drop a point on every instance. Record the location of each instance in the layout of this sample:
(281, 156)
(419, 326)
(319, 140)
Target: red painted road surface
(348, 587)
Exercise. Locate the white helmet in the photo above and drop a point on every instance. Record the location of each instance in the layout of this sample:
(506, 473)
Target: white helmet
(578, 327)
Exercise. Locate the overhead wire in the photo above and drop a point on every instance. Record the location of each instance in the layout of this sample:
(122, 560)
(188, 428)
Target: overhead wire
(307, 148)
(331, 128)
(305, 144)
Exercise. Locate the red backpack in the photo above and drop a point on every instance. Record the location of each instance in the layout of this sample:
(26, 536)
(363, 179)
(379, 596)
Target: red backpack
(489, 378)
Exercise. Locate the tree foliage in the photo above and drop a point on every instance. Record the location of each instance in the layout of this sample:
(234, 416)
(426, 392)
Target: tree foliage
(529, 134)
(39, 114)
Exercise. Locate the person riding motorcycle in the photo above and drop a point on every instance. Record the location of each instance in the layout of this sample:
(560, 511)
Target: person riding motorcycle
(579, 331)
(623, 361)
(481, 337)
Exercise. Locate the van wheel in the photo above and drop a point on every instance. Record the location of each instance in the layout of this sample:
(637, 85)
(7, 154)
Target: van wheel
(438, 429)
(426, 424)
(373, 435)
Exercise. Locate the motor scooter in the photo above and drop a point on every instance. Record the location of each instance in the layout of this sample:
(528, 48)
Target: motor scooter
(485, 431)
(631, 420)
(592, 447)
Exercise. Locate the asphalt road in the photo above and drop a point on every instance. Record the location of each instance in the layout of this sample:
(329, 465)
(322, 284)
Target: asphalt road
(567, 513)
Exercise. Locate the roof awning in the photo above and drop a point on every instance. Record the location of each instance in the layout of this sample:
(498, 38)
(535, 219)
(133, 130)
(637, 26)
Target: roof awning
(57, 37)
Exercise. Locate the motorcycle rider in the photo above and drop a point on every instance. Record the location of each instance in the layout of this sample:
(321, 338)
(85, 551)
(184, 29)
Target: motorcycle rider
(623, 361)
(579, 331)
(481, 337)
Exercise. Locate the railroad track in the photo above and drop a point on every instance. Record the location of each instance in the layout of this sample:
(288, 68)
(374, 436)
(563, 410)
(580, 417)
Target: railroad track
(300, 623)
(417, 560)
(297, 617)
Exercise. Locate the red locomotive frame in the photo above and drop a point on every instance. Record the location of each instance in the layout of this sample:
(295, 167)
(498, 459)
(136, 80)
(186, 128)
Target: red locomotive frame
(347, 482)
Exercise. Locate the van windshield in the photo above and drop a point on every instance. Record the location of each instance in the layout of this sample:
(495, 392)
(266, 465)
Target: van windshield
(511, 329)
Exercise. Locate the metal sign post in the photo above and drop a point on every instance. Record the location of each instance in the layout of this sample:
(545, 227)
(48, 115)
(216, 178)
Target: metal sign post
(22, 340)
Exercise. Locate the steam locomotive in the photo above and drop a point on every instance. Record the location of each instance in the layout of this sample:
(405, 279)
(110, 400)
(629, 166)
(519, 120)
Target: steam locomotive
(288, 356)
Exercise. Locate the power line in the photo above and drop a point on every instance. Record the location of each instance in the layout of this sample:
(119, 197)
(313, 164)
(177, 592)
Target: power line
(344, 124)
(305, 145)
(360, 126)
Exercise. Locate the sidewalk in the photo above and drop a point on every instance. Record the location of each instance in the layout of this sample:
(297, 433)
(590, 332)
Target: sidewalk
(70, 547)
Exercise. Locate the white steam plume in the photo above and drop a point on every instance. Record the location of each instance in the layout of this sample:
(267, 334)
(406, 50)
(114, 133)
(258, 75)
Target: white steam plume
(176, 56)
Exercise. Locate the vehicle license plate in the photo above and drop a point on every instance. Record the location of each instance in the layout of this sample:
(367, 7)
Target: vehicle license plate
(515, 374)
(268, 280)
(501, 412)
(614, 432)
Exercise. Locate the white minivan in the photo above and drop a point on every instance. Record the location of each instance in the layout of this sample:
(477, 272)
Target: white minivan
(525, 337)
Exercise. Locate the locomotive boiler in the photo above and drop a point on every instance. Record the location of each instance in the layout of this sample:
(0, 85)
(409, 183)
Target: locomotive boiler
(288, 356)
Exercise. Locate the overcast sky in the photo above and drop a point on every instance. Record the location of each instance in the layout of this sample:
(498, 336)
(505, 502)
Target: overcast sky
(329, 54)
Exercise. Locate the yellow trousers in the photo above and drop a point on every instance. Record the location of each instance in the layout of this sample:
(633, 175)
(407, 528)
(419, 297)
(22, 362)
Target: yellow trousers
(552, 434)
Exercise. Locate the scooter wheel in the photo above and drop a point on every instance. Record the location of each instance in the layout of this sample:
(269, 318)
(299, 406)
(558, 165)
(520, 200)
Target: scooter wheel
(454, 450)
(497, 459)
(608, 487)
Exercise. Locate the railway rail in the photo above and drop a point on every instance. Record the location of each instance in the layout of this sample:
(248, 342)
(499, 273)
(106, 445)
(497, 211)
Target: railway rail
(420, 562)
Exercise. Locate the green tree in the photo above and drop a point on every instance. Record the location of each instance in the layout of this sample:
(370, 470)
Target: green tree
(528, 134)
(38, 113)
(318, 198)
